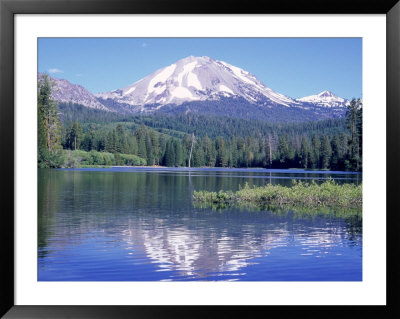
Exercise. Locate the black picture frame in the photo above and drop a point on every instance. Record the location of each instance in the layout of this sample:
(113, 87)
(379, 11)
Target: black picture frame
(8, 8)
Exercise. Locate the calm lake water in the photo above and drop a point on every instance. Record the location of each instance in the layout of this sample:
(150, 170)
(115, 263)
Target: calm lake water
(139, 224)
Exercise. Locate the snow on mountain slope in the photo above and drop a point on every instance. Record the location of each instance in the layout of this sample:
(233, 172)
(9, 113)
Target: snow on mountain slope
(197, 79)
(65, 91)
(204, 86)
(325, 99)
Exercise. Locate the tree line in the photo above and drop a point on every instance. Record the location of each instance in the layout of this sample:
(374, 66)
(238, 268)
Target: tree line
(159, 142)
(201, 125)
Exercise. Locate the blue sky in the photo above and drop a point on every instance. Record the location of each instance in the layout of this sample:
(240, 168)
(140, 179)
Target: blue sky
(295, 67)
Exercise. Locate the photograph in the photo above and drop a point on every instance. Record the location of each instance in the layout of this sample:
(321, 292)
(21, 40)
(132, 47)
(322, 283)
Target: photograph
(200, 159)
(171, 159)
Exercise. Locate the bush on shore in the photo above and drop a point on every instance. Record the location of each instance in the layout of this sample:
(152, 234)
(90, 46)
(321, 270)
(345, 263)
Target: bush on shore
(79, 158)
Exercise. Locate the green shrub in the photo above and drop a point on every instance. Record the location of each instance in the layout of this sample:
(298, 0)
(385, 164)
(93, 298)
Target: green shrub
(79, 158)
(132, 160)
(311, 194)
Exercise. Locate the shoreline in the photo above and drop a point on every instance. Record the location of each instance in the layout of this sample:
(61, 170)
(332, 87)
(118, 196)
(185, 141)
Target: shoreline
(243, 169)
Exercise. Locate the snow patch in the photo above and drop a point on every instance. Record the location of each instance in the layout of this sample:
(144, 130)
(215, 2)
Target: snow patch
(187, 68)
(181, 93)
(192, 80)
(160, 77)
(225, 89)
(130, 90)
(238, 72)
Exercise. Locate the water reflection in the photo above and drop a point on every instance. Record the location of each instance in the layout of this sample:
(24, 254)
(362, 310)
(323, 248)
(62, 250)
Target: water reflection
(143, 226)
(195, 254)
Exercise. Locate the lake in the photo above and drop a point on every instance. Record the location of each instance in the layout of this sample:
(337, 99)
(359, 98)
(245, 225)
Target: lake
(140, 224)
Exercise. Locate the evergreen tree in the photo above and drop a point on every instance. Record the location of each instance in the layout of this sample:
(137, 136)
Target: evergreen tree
(163, 144)
(99, 141)
(187, 149)
(49, 130)
(315, 147)
(132, 145)
(88, 142)
(222, 159)
(198, 156)
(169, 156)
(121, 143)
(111, 142)
(283, 151)
(336, 153)
(344, 148)
(360, 134)
(304, 154)
(209, 151)
(155, 144)
(141, 134)
(142, 151)
(178, 153)
(354, 123)
(235, 153)
(149, 151)
(325, 152)
(74, 136)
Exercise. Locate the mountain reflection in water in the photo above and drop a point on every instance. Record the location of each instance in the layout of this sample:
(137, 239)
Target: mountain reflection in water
(142, 226)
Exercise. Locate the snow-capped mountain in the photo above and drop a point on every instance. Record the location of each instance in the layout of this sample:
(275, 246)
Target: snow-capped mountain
(201, 85)
(65, 91)
(197, 79)
(325, 99)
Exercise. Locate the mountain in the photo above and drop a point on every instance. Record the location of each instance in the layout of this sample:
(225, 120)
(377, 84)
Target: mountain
(201, 85)
(325, 99)
(196, 79)
(65, 91)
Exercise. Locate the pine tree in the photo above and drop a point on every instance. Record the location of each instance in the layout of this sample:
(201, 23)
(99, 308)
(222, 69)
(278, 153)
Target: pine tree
(155, 144)
(140, 135)
(121, 140)
(142, 151)
(178, 153)
(336, 153)
(209, 151)
(198, 156)
(149, 151)
(315, 147)
(360, 133)
(88, 141)
(132, 145)
(222, 159)
(49, 130)
(233, 158)
(169, 156)
(304, 154)
(325, 152)
(354, 123)
(283, 150)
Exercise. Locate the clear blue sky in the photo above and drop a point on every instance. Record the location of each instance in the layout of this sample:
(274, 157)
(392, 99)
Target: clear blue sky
(295, 67)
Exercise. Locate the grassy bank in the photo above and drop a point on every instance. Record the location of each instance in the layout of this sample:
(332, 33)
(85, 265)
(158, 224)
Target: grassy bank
(308, 195)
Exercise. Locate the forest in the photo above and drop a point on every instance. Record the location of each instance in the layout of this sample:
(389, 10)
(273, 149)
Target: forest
(76, 136)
